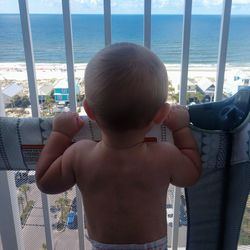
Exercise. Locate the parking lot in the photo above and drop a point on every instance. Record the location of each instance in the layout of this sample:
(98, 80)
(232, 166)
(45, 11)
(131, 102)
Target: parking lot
(34, 230)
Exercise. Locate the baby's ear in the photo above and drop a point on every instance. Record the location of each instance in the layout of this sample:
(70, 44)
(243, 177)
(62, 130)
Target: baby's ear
(162, 113)
(88, 110)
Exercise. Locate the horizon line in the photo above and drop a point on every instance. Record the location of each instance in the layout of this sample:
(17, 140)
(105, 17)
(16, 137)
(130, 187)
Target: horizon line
(141, 14)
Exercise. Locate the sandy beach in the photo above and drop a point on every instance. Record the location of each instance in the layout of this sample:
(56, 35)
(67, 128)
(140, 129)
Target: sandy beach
(50, 72)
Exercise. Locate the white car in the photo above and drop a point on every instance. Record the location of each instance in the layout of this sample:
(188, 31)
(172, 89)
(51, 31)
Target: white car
(170, 216)
(31, 177)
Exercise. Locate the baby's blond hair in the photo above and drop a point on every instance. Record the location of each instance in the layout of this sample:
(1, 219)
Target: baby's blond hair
(125, 85)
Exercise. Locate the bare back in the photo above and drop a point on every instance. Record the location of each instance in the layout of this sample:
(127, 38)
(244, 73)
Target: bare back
(124, 191)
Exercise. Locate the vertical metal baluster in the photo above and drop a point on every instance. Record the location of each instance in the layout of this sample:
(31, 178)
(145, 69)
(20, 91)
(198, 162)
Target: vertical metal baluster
(73, 104)
(29, 57)
(2, 111)
(107, 22)
(147, 23)
(80, 218)
(182, 100)
(10, 220)
(185, 51)
(222, 53)
(47, 222)
(69, 53)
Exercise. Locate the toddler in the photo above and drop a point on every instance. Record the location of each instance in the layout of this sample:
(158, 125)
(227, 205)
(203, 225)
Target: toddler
(123, 180)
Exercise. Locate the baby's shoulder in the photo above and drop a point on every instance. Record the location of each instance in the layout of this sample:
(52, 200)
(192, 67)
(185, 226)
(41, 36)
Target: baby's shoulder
(79, 148)
(162, 147)
(79, 151)
(164, 151)
(86, 145)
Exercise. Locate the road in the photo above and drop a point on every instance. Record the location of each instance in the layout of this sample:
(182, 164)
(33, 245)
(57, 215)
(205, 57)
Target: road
(34, 230)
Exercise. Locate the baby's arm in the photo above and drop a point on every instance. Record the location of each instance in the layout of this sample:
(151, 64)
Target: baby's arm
(188, 170)
(53, 175)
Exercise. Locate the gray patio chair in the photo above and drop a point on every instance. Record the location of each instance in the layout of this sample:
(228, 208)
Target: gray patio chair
(216, 204)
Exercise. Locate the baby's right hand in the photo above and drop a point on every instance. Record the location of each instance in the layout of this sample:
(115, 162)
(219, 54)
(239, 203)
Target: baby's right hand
(67, 123)
(177, 118)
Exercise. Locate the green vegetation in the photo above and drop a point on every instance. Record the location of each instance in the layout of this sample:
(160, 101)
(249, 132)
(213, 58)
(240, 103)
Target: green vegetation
(63, 203)
(80, 99)
(20, 101)
(244, 238)
(48, 106)
(21, 201)
(18, 106)
(171, 93)
(26, 212)
(245, 227)
(197, 97)
(24, 189)
(43, 247)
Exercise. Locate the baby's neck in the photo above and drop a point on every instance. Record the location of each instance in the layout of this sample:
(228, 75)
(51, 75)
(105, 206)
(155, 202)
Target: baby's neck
(124, 140)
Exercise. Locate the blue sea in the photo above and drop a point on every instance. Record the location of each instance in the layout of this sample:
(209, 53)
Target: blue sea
(88, 37)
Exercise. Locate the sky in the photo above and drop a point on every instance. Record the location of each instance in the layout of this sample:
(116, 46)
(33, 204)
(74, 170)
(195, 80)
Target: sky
(239, 7)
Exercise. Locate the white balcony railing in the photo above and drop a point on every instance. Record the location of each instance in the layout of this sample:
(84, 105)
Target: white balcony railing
(10, 226)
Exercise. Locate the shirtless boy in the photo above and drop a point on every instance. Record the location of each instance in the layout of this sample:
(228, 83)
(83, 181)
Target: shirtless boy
(123, 180)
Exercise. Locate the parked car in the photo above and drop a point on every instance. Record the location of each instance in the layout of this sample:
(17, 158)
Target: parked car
(72, 220)
(73, 205)
(53, 209)
(183, 220)
(21, 177)
(170, 216)
(183, 216)
(169, 206)
(31, 177)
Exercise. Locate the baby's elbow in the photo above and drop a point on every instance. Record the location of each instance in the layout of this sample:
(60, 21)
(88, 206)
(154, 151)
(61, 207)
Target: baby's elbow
(41, 185)
(44, 189)
(38, 179)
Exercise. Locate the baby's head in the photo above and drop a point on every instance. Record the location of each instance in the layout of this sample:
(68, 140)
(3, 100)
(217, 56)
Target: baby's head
(125, 86)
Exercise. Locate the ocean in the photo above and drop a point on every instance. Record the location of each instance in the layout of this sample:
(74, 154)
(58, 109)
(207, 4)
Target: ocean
(88, 37)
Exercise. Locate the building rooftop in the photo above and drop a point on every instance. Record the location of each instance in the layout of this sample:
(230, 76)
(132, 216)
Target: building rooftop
(12, 89)
(61, 84)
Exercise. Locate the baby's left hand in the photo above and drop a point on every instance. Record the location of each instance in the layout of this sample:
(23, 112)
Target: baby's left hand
(67, 123)
(177, 118)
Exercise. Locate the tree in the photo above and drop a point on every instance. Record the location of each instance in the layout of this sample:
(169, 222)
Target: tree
(24, 189)
(80, 99)
(43, 247)
(66, 195)
(171, 92)
(196, 96)
(20, 202)
(20, 101)
(49, 102)
(62, 203)
(48, 105)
